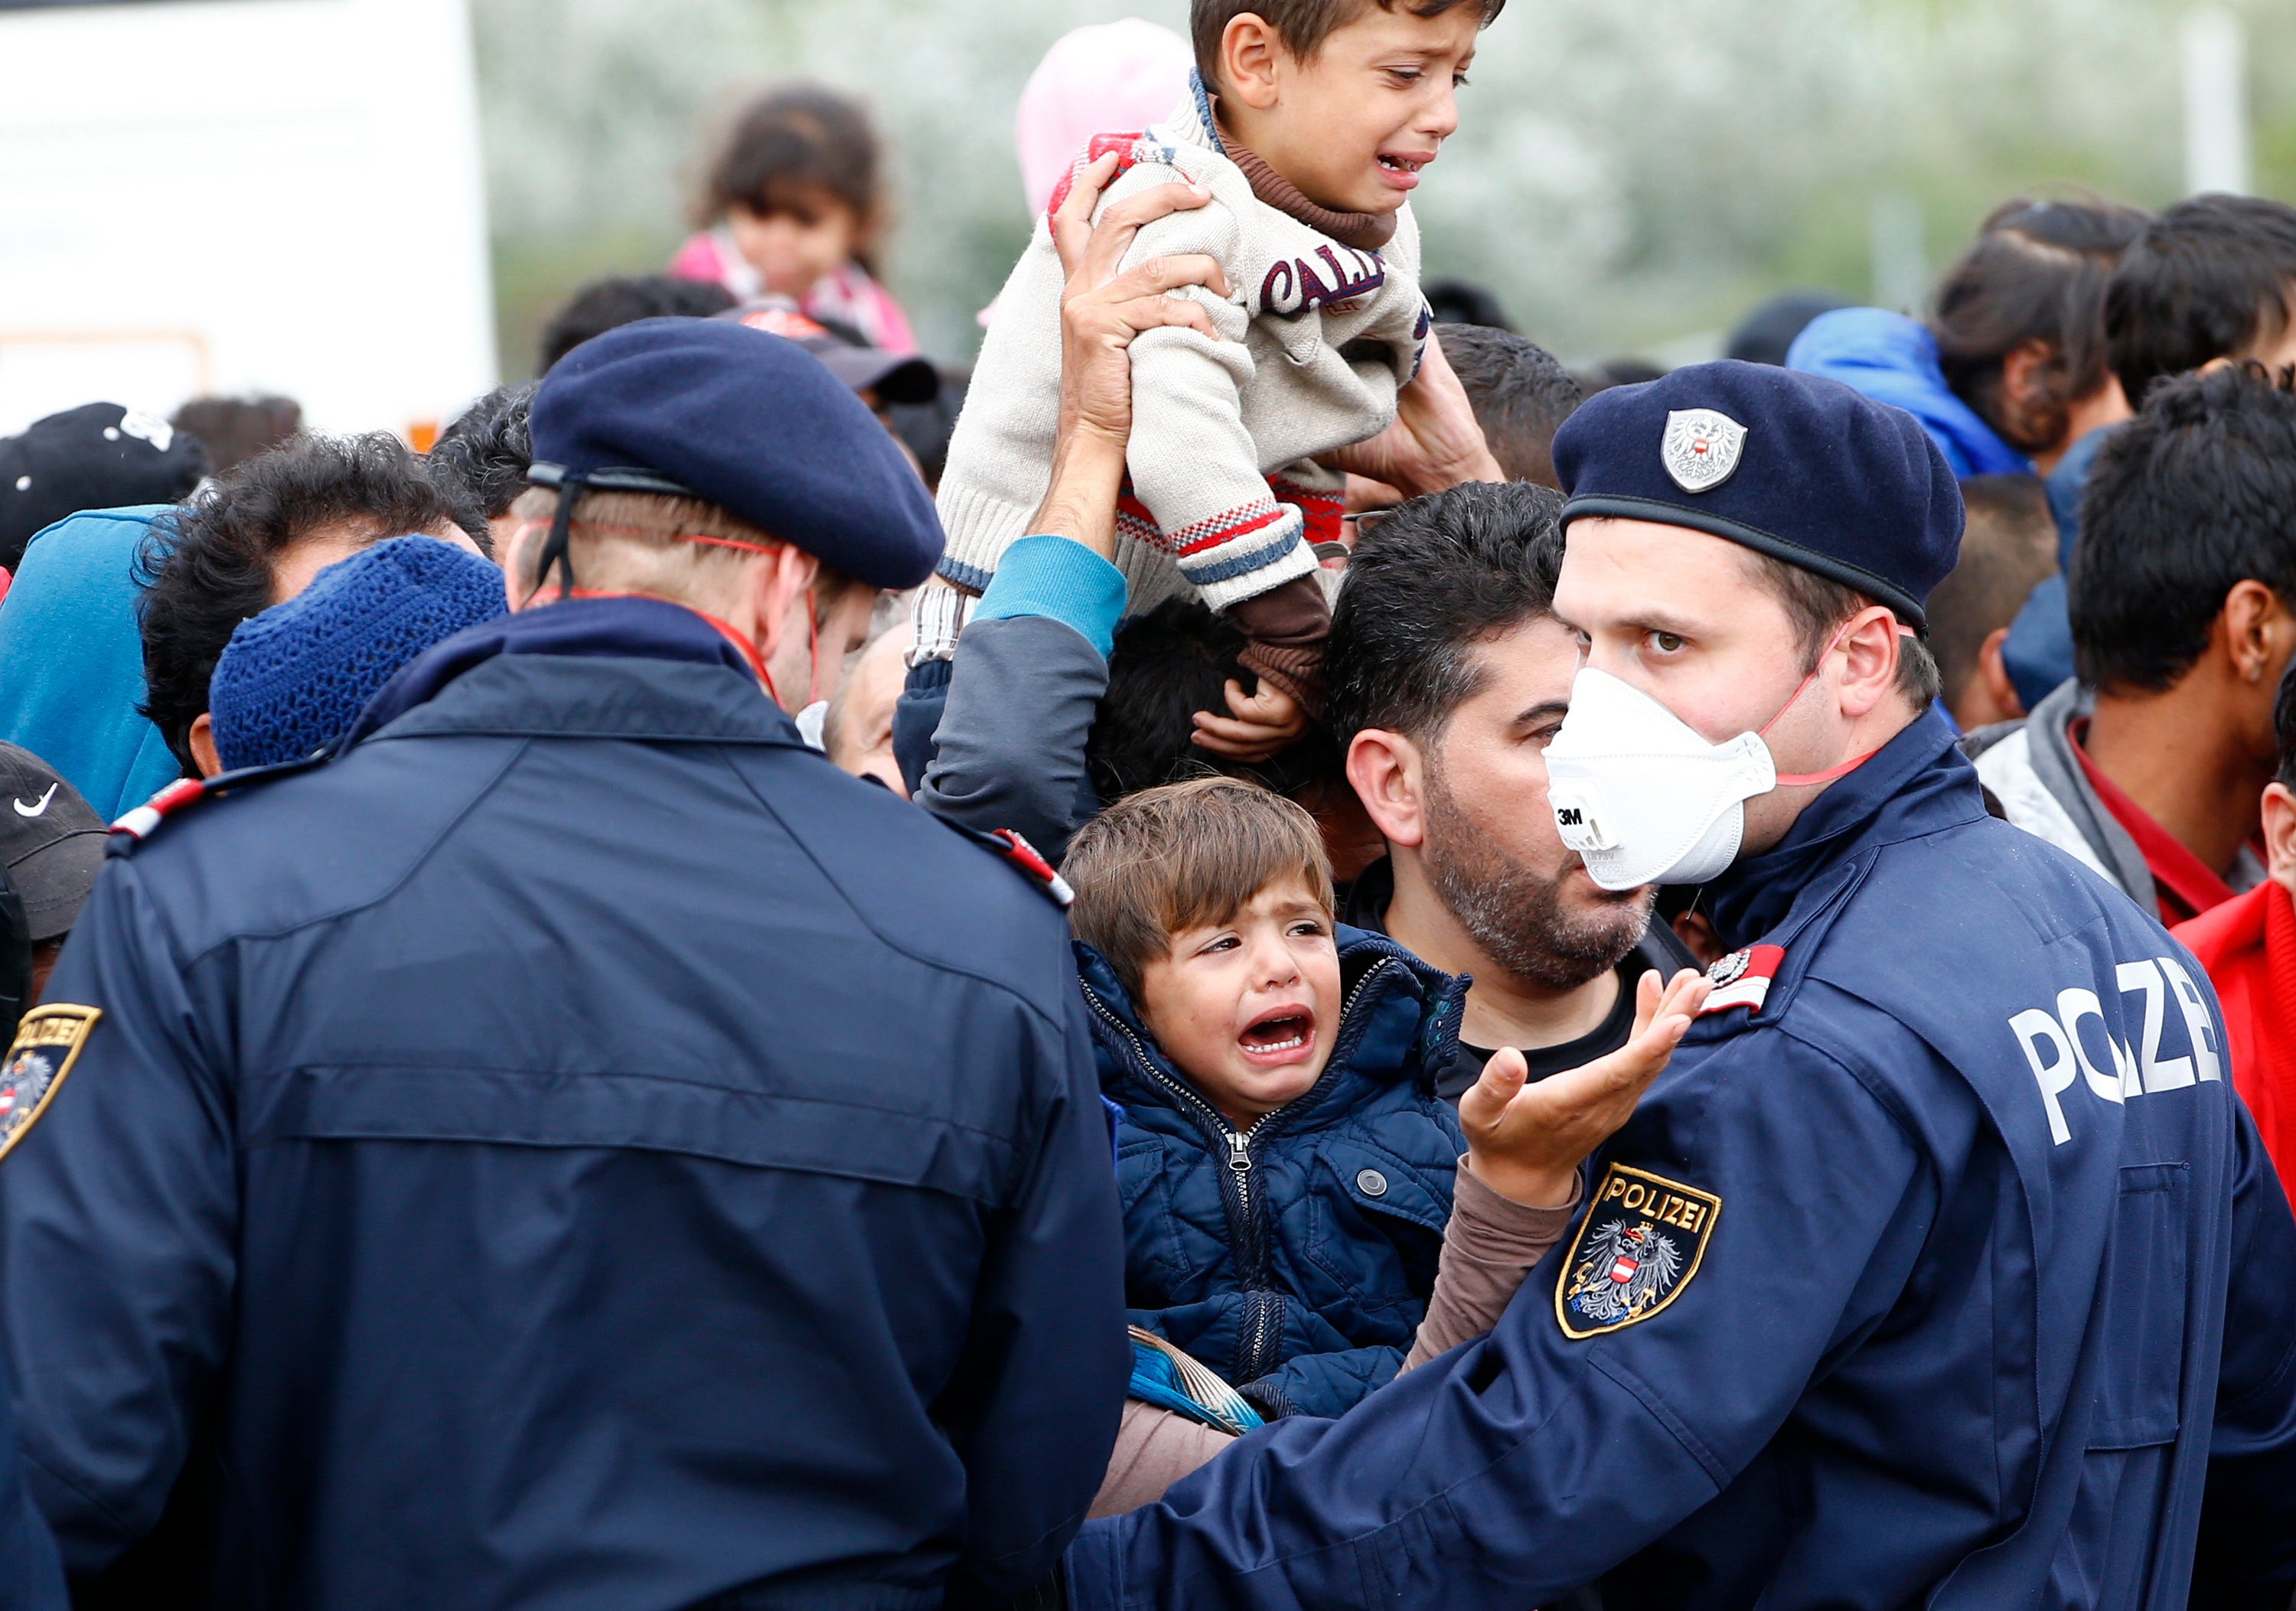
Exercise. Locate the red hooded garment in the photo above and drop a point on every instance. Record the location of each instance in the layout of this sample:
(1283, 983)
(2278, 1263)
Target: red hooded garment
(2248, 945)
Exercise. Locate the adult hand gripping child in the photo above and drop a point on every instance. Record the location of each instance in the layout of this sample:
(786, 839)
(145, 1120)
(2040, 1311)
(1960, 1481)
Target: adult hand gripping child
(1101, 311)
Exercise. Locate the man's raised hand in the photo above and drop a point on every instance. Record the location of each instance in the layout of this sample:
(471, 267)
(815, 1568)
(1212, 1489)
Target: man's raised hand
(1102, 309)
(1526, 1141)
(1434, 441)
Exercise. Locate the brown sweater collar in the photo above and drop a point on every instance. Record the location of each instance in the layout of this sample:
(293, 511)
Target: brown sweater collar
(1364, 231)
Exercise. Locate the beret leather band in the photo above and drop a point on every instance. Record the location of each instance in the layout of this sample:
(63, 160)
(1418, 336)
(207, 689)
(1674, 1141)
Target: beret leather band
(613, 478)
(569, 486)
(1659, 512)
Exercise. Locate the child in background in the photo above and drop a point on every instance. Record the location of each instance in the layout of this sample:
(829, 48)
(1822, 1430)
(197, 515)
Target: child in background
(793, 206)
(1307, 131)
(1285, 1165)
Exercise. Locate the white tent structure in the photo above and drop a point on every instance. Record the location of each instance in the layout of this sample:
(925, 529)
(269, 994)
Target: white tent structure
(202, 196)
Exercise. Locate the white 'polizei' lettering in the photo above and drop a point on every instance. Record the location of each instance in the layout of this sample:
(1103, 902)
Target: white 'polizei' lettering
(2175, 1073)
(2033, 1029)
(2197, 1022)
(2055, 1052)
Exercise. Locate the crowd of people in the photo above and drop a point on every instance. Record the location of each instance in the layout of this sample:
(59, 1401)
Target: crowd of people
(1265, 952)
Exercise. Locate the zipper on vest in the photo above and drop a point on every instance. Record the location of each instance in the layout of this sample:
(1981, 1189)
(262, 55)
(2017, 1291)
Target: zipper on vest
(1260, 1332)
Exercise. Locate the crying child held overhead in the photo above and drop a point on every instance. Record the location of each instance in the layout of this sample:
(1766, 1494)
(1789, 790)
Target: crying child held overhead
(1308, 135)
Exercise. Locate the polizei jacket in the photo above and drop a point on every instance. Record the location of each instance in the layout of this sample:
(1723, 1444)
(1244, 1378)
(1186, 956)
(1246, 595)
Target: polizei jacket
(1295, 1256)
(1941, 1267)
(577, 1149)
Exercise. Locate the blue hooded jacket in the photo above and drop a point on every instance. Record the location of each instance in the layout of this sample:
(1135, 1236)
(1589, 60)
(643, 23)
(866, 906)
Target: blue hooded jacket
(1296, 1258)
(75, 659)
(1893, 360)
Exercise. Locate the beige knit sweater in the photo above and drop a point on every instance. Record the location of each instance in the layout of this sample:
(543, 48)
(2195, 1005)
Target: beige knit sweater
(1315, 339)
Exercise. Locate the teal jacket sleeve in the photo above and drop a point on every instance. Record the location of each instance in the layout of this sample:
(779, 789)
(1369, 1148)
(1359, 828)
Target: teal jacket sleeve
(1024, 686)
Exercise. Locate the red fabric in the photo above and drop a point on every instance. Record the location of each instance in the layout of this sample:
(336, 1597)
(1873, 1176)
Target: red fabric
(1100, 146)
(7, 582)
(1320, 516)
(2185, 885)
(2248, 945)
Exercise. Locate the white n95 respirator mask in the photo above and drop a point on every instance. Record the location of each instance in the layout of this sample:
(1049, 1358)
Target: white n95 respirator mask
(1640, 796)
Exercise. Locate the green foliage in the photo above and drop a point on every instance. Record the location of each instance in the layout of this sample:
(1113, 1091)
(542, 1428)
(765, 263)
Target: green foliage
(1629, 173)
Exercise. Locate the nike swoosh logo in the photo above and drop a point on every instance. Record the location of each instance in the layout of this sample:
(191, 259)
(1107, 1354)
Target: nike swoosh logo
(36, 810)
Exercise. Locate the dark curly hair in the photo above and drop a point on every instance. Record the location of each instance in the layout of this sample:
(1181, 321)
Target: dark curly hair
(2191, 498)
(1168, 664)
(1441, 575)
(2204, 281)
(487, 451)
(211, 565)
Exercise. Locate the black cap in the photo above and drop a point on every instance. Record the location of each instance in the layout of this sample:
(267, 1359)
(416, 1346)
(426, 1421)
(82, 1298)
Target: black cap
(1793, 465)
(892, 376)
(51, 843)
(97, 456)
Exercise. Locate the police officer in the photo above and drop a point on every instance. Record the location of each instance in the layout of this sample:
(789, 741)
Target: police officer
(1942, 1266)
(577, 1147)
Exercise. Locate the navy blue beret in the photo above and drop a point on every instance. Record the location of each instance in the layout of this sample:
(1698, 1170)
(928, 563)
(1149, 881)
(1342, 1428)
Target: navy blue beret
(750, 423)
(1793, 465)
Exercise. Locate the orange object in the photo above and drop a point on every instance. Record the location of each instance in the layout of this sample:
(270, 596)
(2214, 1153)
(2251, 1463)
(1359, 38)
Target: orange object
(423, 435)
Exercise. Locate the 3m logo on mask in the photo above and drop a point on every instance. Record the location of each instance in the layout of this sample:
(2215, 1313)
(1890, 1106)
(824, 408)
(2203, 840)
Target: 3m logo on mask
(2058, 1051)
(1578, 818)
(1640, 796)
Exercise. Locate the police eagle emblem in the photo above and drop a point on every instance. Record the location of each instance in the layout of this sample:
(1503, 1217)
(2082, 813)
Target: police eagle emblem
(1638, 1248)
(1701, 447)
(47, 1044)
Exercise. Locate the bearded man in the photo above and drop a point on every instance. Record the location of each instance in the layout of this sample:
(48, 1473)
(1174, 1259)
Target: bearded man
(1450, 675)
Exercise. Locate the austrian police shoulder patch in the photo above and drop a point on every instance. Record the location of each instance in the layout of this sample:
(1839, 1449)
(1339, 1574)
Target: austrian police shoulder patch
(1636, 1249)
(47, 1044)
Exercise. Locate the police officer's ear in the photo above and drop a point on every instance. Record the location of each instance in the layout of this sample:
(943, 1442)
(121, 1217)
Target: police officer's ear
(1868, 646)
(1388, 773)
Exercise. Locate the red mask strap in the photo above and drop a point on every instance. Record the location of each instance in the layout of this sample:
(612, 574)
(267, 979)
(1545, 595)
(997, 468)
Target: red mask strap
(749, 652)
(1830, 774)
(1786, 779)
(748, 649)
(812, 649)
